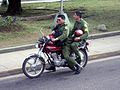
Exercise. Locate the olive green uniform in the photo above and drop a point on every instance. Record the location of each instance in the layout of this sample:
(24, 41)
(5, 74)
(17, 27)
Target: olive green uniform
(70, 45)
(60, 33)
(64, 32)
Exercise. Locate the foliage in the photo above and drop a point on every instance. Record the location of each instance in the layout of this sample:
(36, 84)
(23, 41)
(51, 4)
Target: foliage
(7, 21)
(10, 24)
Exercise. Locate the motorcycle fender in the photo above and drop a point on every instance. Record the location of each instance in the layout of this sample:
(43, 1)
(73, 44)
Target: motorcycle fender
(84, 47)
(34, 54)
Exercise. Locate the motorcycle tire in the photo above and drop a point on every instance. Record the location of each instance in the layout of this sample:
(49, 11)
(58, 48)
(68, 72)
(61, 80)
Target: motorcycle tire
(84, 59)
(33, 66)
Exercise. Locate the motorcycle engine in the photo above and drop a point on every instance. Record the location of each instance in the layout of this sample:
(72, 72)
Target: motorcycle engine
(57, 59)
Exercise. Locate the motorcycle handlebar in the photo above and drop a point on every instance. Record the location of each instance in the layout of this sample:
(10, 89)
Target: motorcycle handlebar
(44, 39)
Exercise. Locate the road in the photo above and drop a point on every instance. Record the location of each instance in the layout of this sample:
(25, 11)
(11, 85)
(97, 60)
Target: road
(102, 74)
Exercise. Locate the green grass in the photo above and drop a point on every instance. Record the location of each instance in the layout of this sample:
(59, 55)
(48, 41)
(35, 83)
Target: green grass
(29, 33)
(96, 12)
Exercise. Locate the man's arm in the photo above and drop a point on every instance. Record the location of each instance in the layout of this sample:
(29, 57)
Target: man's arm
(86, 32)
(65, 34)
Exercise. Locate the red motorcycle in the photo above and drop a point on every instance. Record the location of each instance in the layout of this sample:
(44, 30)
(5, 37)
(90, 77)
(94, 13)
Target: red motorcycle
(34, 65)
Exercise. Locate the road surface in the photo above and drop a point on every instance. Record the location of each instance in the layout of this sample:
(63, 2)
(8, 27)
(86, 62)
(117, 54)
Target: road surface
(103, 74)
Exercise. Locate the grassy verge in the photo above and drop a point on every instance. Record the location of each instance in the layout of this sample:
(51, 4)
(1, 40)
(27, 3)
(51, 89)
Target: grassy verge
(96, 12)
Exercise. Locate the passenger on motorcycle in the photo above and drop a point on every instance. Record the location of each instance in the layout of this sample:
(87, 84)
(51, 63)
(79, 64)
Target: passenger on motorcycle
(60, 34)
(78, 34)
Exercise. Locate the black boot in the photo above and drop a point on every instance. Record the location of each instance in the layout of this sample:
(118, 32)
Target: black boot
(78, 69)
(52, 68)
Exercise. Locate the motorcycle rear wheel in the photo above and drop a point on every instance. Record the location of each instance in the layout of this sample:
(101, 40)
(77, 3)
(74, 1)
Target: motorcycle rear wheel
(84, 59)
(33, 66)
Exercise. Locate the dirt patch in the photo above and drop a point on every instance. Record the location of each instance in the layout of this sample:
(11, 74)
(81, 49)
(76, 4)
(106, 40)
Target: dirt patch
(21, 40)
(13, 28)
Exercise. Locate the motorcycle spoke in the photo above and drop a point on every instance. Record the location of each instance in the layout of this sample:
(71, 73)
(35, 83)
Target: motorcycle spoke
(35, 71)
(35, 60)
(29, 63)
(29, 70)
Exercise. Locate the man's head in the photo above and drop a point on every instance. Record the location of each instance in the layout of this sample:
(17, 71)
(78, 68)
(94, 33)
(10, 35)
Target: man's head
(77, 15)
(60, 19)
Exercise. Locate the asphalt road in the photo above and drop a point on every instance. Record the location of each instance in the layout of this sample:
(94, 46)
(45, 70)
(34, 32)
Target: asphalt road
(103, 74)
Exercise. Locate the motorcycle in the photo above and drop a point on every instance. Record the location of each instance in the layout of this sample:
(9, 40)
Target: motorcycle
(34, 65)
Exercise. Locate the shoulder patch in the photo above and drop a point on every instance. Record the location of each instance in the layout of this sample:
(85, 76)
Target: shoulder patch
(85, 25)
(66, 27)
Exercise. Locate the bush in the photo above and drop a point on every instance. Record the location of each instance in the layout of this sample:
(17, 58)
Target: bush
(8, 21)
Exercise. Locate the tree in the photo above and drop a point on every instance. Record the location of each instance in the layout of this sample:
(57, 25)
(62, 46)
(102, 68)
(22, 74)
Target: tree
(14, 7)
(4, 3)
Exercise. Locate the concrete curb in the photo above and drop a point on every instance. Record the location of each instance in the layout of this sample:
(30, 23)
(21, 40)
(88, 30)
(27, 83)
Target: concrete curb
(104, 55)
(31, 46)
(105, 34)
(17, 48)
(92, 57)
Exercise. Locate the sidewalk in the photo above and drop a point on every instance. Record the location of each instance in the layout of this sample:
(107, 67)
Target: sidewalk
(104, 46)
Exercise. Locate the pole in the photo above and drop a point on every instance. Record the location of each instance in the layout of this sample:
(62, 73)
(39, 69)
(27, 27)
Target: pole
(61, 7)
(65, 14)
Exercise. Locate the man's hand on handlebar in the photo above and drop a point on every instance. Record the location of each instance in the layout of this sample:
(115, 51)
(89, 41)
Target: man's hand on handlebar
(54, 39)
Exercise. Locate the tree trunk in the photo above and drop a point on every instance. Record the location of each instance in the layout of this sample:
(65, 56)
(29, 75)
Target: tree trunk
(14, 7)
(4, 3)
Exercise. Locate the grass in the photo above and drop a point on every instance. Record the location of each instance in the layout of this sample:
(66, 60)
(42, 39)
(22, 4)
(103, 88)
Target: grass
(96, 12)
(29, 34)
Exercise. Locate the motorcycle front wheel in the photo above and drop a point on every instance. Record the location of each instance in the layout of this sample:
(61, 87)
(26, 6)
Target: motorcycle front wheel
(33, 66)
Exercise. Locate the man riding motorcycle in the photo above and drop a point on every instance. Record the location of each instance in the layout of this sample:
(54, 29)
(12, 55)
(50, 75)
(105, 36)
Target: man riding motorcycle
(78, 33)
(60, 33)
(34, 65)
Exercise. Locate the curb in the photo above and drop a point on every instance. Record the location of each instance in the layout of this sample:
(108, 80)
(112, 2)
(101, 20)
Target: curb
(104, 55)
(92, 57)
(105, 34)
(31, 46)
(17, 48)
